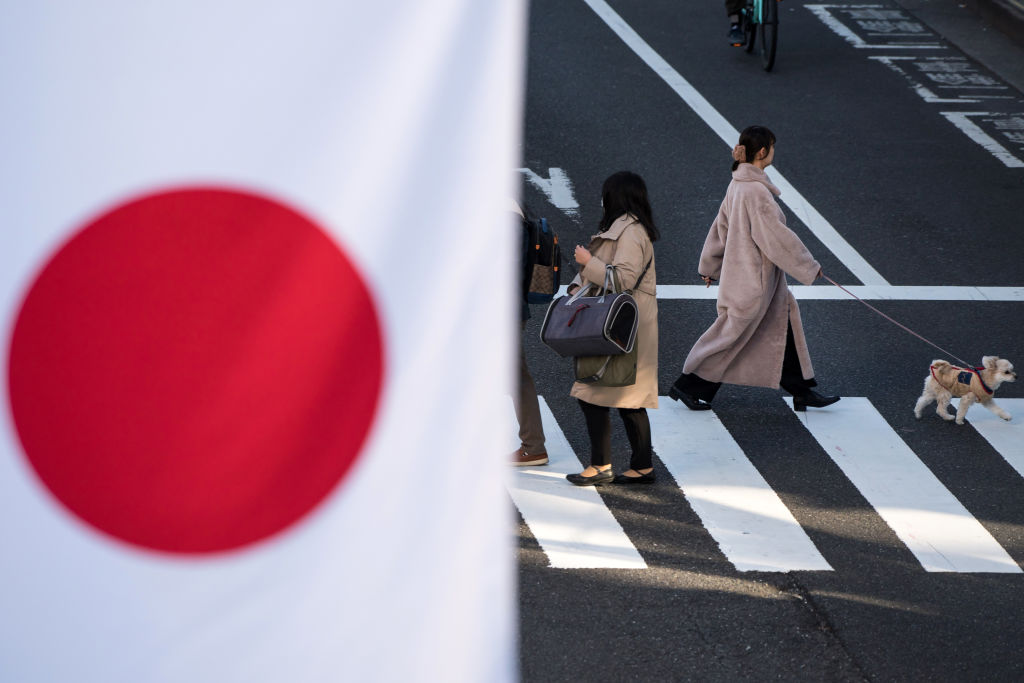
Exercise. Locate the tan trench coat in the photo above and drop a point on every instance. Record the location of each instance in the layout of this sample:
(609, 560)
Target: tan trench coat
(626, 246)
(747, 250)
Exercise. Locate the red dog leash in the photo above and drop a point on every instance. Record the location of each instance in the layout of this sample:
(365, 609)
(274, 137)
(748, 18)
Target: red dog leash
(900, 325)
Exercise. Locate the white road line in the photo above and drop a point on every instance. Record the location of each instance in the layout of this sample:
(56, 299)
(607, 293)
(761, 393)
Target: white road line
(925, 94)
(814, 221)
(867, 292)
(557, 187)
(748, 520)
(827, 18)
(1005, 437)
(961, 120)
(572, 524)
(933, 524)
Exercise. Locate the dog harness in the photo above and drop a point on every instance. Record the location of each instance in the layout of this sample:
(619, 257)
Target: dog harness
(968, 380)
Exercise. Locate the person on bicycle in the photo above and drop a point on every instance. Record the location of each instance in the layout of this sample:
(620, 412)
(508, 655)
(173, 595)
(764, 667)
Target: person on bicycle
(733, 9)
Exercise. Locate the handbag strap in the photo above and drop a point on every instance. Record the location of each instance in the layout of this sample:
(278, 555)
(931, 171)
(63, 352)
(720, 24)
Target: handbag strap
(609, 276)
(609, 282)
(642, 273)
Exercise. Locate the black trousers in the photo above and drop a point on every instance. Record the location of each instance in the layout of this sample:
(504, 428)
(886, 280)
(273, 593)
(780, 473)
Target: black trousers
(733, 6)
(792, 376)
(599, 427)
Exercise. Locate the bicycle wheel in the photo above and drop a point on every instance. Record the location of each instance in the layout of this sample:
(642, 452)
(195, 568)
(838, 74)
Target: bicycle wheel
(749, 27)
(769, 29)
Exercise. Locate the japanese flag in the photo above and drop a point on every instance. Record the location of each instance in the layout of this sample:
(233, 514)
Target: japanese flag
(256, 292)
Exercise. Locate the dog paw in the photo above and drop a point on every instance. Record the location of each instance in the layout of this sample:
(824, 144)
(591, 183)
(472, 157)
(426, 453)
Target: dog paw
(959, 420)
(1007, 417)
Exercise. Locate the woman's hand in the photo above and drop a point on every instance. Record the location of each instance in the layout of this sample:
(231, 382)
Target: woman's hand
(581, 255)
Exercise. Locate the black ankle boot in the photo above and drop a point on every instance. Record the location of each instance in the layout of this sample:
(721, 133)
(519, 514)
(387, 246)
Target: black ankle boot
(813, 399)
(689, 401)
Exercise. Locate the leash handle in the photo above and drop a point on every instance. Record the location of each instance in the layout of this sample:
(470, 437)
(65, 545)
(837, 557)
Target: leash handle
(900, 325)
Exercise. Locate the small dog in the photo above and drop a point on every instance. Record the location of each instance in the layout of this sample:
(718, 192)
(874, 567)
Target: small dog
(970, 385)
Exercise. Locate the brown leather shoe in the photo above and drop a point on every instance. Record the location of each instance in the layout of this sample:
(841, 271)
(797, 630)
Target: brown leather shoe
(520, 458)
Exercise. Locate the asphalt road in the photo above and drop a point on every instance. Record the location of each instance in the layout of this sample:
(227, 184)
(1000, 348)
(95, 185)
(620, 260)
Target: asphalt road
(915, 187)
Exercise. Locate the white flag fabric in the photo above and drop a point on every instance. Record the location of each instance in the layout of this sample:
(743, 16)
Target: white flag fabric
(257, 295)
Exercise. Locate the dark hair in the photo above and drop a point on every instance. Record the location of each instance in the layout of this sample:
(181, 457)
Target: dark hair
(625, 192)
(754, 139)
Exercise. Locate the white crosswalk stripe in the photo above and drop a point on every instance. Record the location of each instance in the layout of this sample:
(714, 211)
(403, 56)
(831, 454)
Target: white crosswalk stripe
(1005, 437)
(752, 526)
(930, 521)
(748, 520)
(572, 524)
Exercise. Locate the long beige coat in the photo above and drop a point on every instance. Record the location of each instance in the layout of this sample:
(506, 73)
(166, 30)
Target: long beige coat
(626, 246)
(747, 250)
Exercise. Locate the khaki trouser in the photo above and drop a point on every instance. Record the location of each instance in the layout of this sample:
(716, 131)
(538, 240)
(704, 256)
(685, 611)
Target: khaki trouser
(531, 429)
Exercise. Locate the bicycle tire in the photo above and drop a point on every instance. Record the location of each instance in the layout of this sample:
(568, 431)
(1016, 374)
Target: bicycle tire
(749, 28)
(769, 30)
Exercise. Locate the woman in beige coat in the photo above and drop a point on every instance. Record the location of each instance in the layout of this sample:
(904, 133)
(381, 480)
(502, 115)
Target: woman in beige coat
(757, 339)
(625, 239)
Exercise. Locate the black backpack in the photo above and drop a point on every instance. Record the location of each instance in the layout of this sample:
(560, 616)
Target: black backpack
(542, 261)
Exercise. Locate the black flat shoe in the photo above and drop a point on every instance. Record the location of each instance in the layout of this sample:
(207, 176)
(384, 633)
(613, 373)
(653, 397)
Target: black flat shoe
(812, 399)
(648, 478)
(688, 401)
(596, 480)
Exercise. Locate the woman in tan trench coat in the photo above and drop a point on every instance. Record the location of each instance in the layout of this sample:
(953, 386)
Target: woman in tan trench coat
(757, 339)
(625, 239)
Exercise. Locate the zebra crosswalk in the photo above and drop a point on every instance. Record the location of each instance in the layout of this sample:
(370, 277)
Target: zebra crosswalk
(571, 523)
(1005, 437)
(749, 522)
(926, 517)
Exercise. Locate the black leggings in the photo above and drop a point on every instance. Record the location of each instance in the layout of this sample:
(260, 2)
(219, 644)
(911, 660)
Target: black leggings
(792, 376)
(599, 427)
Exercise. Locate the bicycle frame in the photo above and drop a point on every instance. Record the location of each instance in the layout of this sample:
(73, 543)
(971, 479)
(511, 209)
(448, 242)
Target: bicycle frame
(754, 16)
(761, 18)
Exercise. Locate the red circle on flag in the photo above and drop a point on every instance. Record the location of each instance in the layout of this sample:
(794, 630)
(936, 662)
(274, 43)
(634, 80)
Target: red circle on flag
(195, 370)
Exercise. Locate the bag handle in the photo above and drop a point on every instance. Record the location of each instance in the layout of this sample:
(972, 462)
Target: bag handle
(609, 282)
(609, 279)
(609, 275)
(579, 293)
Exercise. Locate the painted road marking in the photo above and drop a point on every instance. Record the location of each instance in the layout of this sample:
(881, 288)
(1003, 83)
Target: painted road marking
(1005, 437)
(557, 187)
(572, 523)
(930, 521)
(1010, 127)
(962, 120)
(814, 221)
(875, 21)
(945, 73)
(872, 292)
(752, 526)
